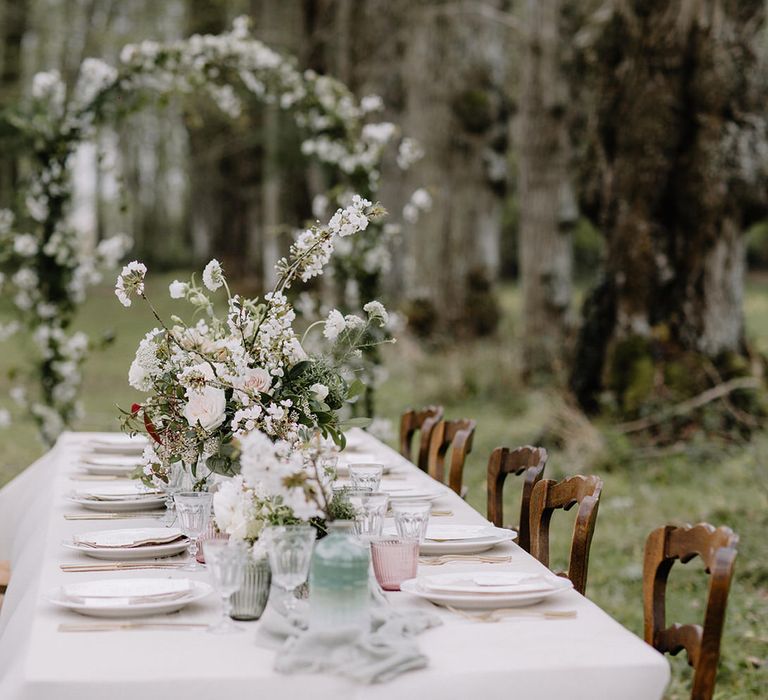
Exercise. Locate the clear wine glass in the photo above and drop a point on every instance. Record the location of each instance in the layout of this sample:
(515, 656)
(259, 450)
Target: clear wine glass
(194, 512)
(171, 488)
(225, 559)
(289, 549)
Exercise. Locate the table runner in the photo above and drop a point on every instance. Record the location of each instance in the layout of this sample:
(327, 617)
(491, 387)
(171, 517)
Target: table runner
(589, 657)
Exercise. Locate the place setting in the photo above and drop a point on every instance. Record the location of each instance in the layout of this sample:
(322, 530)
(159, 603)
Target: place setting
(109, 465)
(129, 543)
(118, 497)
(128, 597)
(479, 590)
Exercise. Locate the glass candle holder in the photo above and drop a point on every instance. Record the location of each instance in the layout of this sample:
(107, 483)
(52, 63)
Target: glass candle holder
(249, 602)
(394, 561)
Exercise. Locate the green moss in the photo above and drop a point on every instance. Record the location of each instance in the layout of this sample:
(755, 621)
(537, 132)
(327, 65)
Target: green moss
(474, 110)
(630, 372)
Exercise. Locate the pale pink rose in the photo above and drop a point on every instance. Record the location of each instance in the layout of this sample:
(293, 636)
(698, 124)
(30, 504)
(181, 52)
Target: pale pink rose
(206, 408)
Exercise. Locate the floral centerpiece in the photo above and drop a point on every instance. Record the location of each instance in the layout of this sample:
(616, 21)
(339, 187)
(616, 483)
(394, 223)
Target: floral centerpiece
(246, 372)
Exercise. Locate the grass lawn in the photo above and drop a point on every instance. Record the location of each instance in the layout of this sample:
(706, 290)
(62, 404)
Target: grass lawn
(722, 484)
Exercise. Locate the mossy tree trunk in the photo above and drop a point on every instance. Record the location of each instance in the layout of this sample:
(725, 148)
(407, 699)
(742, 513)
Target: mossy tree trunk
(674, 180)
(543, 189)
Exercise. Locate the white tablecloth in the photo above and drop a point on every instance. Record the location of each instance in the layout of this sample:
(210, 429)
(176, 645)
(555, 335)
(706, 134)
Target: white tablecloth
(590, 657)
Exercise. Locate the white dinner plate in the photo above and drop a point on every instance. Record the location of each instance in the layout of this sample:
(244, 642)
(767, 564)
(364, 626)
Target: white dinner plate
(484, 601)
(123, 506)
(149, 551)
(487, 583)
(105, 470)
(117, 600)
(111, 460)
(456, 533)
(496, 535)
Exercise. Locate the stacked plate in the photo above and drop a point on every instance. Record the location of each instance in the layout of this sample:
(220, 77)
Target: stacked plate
(132, 543)
(128, 597)
(463, 539)
(109, 465)
(410, 493)
(129, 496)
(485, 590)
(116, 444)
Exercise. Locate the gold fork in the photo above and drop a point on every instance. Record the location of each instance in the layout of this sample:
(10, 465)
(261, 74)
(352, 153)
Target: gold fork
(503, 613)
(117, 626)
(457, 558)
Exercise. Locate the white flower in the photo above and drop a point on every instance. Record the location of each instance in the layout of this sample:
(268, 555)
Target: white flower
(320, 391)
(138, 377)
(346, 222)
(334, 325)
(253, 379)
(213, 276)
(422, 199)
(25, 244)
(111, 249)
(178, 290)
(371, 103)
(375, 309)
(206, 408)
(408, 153)
(5, 418)
(235, 510)
(130, 281)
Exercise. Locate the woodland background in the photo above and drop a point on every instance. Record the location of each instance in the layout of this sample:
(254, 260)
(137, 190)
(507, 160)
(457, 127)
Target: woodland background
(591, 275)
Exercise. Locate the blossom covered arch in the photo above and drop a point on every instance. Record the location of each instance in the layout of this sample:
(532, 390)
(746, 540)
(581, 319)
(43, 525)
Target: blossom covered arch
(47, 265)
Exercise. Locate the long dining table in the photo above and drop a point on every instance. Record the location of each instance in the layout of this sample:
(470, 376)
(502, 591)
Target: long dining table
(588, 656)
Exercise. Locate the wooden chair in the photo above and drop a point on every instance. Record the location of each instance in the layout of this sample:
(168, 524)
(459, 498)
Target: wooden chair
(523, 460)
(456, 435)
(413, 421)
(717, 548)
(549, 496)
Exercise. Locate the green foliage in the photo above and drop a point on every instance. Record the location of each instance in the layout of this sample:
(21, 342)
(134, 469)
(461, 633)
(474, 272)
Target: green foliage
(757, 246)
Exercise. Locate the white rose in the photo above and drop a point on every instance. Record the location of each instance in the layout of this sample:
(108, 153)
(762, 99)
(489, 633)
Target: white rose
(320, 391)
(256, 379)
(206, 408)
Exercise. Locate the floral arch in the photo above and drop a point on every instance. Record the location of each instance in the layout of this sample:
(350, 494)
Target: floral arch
(47, 265)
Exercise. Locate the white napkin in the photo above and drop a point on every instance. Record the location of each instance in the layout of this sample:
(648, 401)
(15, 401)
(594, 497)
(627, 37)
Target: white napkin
(116, 492)
(455, 533)
(486, 583)
(128, 538)
(108, 593)
(376, 656)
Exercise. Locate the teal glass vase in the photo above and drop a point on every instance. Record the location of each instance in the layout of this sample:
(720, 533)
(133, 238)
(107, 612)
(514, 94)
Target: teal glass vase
(339, 594)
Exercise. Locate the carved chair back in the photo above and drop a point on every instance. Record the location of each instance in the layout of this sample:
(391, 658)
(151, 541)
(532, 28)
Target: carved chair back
(549, 496)
(717, 549)
(528, 461)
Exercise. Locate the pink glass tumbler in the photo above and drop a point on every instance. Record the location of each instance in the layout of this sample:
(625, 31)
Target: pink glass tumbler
(394, 561)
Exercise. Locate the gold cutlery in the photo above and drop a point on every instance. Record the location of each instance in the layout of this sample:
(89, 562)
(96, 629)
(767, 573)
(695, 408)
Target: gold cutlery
(507, 613)
(441, 513)
(121, 566)
(118, 626)
(458, 558)
(113, 516)
(95, 477)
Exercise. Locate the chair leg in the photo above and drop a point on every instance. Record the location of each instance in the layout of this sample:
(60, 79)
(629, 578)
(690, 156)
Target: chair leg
(5, 575)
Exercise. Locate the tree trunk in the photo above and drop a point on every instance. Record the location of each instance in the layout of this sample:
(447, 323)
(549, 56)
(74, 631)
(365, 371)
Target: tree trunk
(675, 185)
(14, 25)
(544, 235)
(454, 104)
